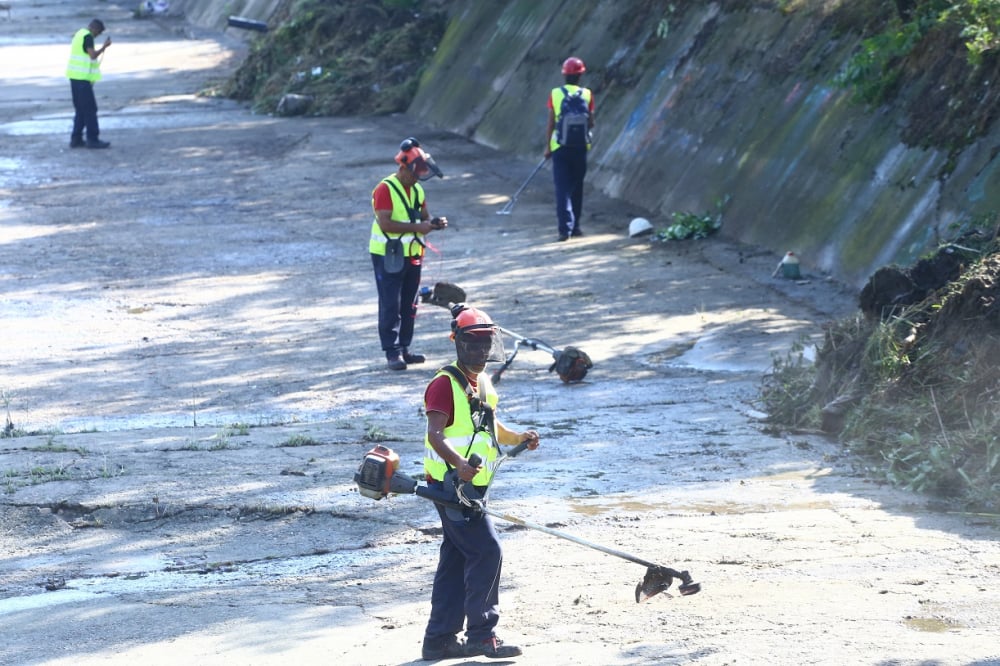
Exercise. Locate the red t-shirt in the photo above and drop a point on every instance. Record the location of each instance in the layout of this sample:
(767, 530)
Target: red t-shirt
(439, 398)
(382, 198)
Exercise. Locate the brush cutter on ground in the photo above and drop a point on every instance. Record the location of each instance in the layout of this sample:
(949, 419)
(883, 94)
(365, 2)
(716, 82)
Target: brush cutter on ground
(377, 477)
(571, 363)
(509, 206)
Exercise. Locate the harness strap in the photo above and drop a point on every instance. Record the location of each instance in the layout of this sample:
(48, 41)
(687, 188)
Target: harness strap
(482, 413)
(411, 212)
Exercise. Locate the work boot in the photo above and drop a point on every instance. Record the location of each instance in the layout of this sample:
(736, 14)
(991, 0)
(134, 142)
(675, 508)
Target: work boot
(492, 648)
(76, 142)
(395, 363)
(97, 143)
(450, 649)
(410, 359)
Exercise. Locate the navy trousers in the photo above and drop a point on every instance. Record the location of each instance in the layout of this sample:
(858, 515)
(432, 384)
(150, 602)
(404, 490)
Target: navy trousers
(467, 582)
(397, 305)
(569, 166)
(85, 105)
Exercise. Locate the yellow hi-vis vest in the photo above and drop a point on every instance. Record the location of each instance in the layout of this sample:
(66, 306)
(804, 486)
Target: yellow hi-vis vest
(462, 432)
(557, 100)
(80, 66)
(412, 246)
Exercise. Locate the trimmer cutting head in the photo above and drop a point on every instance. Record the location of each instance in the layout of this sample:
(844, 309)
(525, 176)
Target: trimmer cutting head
(658, 579)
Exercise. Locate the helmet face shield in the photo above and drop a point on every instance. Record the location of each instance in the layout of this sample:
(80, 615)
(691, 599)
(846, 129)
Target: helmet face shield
(423, 166)
(479, 344)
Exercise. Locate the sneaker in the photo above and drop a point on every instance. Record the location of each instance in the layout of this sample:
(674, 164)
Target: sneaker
(76, 143)
(576, 233)
(492, 648)
(563, 237)
(413, 358)
(98, 144)
(396, 363)
(453, 649)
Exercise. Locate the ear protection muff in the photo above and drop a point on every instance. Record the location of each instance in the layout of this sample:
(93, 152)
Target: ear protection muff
(405, 147)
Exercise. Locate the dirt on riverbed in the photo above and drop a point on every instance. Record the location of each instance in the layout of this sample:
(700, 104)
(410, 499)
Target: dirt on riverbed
(190, 360)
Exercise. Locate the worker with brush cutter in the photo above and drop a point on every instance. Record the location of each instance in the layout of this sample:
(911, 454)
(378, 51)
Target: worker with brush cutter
(397, 249)
(460, 404)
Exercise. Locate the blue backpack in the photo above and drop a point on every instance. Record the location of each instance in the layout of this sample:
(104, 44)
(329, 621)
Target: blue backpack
(573, 126)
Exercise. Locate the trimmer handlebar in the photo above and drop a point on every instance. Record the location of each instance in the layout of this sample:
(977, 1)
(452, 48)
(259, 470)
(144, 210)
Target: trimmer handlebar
(475, 460)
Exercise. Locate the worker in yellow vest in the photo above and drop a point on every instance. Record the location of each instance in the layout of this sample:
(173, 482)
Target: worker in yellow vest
(567, 142)
(396, 245)
(460, 404)
(83, 71)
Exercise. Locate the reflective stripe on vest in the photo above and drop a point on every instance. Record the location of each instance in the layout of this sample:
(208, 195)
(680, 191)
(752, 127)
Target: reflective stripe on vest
(461, 433)
(557, 100)
(80, 66)
(411, 248)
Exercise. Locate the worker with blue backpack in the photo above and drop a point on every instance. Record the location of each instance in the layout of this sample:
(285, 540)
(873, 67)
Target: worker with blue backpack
(568, 138)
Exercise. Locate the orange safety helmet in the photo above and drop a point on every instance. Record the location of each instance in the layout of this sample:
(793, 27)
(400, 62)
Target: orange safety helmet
(573, 65)
(477, 338)
(411, 155)
(471, 321)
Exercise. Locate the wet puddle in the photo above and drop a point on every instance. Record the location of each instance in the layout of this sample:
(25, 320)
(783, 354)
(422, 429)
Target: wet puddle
(710, 508)
(163, 577)
(931, 625)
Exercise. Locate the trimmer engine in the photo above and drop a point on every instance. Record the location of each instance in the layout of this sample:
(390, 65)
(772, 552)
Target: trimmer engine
(376, 477)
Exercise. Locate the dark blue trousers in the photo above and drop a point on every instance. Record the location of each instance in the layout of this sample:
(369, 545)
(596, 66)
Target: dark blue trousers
(467, 582)
(85, 105)
(397, 305)
(569, 166)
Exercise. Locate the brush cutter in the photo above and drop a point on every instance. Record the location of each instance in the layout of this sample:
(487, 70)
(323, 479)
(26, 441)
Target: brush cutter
(571, 364)
(376, 478)
(509, 206)
(444, 294)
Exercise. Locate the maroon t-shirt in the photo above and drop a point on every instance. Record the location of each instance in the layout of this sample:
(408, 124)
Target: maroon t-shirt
(439, 398)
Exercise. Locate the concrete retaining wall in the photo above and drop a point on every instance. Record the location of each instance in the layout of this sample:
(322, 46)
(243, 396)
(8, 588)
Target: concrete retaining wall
(700, 104)
(697, 103)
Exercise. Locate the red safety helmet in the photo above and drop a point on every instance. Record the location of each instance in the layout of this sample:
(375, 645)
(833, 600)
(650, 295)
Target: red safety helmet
(573, 65)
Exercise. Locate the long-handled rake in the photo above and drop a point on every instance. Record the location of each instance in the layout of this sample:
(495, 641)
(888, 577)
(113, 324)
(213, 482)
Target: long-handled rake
(509, 206)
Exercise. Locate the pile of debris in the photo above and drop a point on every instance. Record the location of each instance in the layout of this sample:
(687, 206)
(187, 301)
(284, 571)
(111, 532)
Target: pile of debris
(357, 57)
(910, 382)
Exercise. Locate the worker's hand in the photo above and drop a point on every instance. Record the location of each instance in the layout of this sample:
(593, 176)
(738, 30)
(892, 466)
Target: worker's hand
(530, 437)
(548, 152)
(466, 471)
(439, 222)
(107, 43)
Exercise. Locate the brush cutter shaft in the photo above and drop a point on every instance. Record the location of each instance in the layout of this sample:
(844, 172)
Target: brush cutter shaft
(528, 342)
(568, 537)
